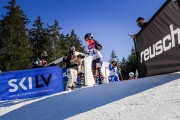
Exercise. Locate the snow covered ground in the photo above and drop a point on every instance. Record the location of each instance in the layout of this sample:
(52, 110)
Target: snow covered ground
(151, 98)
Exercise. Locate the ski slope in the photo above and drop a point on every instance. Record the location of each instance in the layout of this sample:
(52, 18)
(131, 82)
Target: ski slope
(151, 98)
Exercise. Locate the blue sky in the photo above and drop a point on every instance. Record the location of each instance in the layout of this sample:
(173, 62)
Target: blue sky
(110, 21)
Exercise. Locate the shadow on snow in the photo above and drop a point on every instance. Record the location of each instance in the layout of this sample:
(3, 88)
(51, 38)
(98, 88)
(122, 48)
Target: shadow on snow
(82, 100)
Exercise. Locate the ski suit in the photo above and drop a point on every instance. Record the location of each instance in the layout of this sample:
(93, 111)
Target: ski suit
(72, 64)
(114, 72)
(94, 50)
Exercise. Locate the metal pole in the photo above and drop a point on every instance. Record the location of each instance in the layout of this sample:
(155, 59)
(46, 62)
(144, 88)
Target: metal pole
(135, 47)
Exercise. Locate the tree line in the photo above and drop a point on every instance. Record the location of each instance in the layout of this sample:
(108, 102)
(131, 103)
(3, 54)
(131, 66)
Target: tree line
(19, 45)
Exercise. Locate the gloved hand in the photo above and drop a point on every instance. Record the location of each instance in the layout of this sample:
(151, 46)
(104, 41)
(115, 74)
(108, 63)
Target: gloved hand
(75, 65)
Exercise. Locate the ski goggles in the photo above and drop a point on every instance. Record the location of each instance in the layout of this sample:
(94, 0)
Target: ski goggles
(88, 38)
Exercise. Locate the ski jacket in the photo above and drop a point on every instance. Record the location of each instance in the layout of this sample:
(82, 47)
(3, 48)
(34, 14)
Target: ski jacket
(94, 49)
(113, 70)
(71, 60)
(44, 62)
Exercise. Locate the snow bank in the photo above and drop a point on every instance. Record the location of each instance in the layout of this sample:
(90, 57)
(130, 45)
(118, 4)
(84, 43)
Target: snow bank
(154, 97)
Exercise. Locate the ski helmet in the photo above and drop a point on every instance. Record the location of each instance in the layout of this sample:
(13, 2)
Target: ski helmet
(72, 48)
(44, 54)
(114, 60)
(88, 36)
(131, 74)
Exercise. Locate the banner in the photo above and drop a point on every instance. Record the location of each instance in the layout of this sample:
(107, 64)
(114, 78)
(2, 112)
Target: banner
(31, 83)
(158, 44)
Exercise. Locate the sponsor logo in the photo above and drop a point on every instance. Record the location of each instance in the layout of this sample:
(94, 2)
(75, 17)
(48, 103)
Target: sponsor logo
(161, 46)
(26, 83)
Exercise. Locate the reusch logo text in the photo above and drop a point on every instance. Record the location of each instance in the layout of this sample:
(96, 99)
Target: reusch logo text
(167, 43)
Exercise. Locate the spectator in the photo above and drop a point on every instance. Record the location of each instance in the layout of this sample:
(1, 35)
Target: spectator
(37, 63)
(44, 56)
(141, 23)
(94, 50)
(72, 63)
(131, 76)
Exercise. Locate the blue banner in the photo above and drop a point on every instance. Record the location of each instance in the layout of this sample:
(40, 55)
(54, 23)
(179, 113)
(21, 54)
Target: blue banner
(65, 79)
(31, 83)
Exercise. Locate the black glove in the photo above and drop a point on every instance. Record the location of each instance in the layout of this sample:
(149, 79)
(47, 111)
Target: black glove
(74, 65)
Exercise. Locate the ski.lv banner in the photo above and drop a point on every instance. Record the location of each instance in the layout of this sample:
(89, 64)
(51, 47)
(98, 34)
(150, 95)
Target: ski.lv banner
(31, 83)
(158, 44)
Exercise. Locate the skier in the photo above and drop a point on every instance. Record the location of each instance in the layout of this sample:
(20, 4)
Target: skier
(72, 64)
(94, 50)
(114, 71)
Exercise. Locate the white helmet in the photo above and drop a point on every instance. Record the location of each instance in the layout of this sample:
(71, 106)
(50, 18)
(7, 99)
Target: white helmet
(44, 54)
(72, 48)
(114, 60)
(131, 74)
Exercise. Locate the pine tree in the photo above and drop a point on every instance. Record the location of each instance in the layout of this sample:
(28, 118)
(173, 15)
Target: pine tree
(40, 38)
(56, 39)
(123, 66)
(54, 32)
(75, 41)
(113, 55)
(72, 40)
(14, 39)
(132, 62)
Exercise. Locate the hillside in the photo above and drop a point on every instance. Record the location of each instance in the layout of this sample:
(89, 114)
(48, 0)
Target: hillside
(152, 98)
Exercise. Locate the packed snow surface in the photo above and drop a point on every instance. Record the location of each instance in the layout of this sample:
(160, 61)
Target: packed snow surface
(150, 98)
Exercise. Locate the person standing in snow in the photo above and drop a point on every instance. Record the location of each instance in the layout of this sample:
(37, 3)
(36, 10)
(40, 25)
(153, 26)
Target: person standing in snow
(72, 63)
(114, 71)
(94, 49)
(44, 56)
(40, 62)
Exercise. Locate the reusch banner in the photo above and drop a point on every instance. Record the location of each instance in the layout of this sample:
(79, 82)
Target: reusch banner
(158, 43)
(31, 83)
